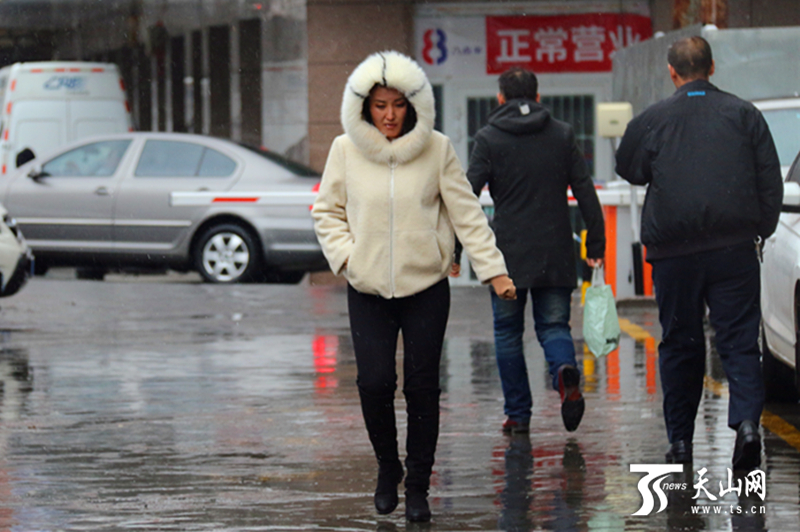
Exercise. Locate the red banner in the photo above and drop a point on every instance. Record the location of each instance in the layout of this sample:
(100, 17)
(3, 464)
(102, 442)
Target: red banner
(564, 43)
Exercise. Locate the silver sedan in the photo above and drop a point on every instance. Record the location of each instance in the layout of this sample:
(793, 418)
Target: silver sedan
(168, 200)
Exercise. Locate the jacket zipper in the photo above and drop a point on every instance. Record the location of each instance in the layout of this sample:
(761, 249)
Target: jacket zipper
(392, 166)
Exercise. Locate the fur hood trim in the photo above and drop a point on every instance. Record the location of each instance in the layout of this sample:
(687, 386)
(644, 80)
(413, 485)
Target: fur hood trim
(394, 70)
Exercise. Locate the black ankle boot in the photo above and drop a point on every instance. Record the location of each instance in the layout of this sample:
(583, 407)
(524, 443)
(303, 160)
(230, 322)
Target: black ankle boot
(417, 509)
(389, 476)
(747, 451)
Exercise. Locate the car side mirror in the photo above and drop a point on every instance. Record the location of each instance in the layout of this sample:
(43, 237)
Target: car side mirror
(36, 172)
(791, 197)
(24, 156)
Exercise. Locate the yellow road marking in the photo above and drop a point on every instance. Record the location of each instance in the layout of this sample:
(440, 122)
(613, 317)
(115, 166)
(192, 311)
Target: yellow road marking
(772, 422)
(717, 388)
(778, 426)
(634, 331)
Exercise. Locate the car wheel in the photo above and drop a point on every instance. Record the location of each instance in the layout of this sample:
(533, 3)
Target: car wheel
(226, 253)
(90, 274)
(779, 379)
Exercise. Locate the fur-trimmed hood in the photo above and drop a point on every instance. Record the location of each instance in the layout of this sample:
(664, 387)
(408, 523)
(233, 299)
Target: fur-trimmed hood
(393, 70)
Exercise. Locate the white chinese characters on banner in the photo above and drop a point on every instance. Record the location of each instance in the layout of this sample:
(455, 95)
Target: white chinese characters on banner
(512, 42)
(564, 43)
(551, 45)
(622, 37)
(589, 43)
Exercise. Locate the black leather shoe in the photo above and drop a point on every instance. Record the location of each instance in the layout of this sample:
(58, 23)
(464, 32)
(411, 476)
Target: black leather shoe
(679, 452)
(572, 403)
(417, 509)
(747, 451)
(389, 476)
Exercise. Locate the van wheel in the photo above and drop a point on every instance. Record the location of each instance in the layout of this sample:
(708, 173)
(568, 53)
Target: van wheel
(90, 274)
(779, 379)
(226, 253)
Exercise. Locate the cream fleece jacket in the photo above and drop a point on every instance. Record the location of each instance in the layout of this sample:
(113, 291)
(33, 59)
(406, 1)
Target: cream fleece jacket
(386, 211)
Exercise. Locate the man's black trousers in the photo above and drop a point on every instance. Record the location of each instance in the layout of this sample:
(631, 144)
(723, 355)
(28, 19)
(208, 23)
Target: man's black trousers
(727, 282)
(375, 323)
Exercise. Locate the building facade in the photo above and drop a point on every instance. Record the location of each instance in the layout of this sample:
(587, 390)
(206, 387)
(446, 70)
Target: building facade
(271, 72)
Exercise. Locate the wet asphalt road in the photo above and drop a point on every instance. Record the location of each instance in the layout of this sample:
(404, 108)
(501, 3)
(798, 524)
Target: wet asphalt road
(161, 403)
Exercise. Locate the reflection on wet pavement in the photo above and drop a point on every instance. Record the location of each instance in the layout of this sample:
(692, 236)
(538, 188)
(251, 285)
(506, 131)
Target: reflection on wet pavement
(141, 411)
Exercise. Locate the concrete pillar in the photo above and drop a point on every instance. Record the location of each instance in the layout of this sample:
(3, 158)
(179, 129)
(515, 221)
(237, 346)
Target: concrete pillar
(250, 90)
(341, 33)
(219, 75)
(284, 79)
(235, 84)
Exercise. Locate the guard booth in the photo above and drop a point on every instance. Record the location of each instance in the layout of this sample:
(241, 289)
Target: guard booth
(620, 271)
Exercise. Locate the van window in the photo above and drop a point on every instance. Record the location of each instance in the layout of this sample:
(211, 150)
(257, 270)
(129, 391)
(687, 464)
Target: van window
(168, 158)
(99, 159)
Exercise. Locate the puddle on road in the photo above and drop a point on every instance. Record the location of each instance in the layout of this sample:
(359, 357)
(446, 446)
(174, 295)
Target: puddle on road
(266, 434)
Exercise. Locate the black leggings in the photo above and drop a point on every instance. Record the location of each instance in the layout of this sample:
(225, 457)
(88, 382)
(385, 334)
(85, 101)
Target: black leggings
(375, 323)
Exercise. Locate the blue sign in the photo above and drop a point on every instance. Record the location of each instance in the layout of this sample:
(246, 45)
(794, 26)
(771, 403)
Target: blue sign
(71, 83)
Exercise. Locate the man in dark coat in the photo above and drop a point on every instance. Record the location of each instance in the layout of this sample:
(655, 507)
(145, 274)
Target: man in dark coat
(714, 193)
(530, 160)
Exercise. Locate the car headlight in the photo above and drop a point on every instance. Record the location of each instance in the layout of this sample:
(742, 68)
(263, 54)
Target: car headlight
(11, 223)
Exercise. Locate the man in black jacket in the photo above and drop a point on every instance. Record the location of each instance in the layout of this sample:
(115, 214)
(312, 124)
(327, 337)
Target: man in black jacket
(714, 194)
(530, 160)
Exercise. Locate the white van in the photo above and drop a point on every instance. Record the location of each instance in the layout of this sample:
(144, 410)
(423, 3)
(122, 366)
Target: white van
(47, 104)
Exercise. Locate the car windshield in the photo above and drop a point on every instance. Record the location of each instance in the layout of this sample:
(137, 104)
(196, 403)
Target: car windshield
(784, 124)
(293, 166)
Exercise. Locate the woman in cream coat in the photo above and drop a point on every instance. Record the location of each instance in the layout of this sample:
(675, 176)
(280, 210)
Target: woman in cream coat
(392, 195)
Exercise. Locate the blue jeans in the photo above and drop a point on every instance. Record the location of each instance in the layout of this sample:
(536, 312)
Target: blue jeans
(551, 309)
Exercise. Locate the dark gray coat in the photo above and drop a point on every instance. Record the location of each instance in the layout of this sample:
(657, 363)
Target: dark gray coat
(529, 160)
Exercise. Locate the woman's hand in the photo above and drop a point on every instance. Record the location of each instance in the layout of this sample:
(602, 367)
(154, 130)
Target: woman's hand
(504, 287)
(595, 263)
(455, 270)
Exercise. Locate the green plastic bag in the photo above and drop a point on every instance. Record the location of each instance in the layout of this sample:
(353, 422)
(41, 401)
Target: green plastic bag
(600, 322)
